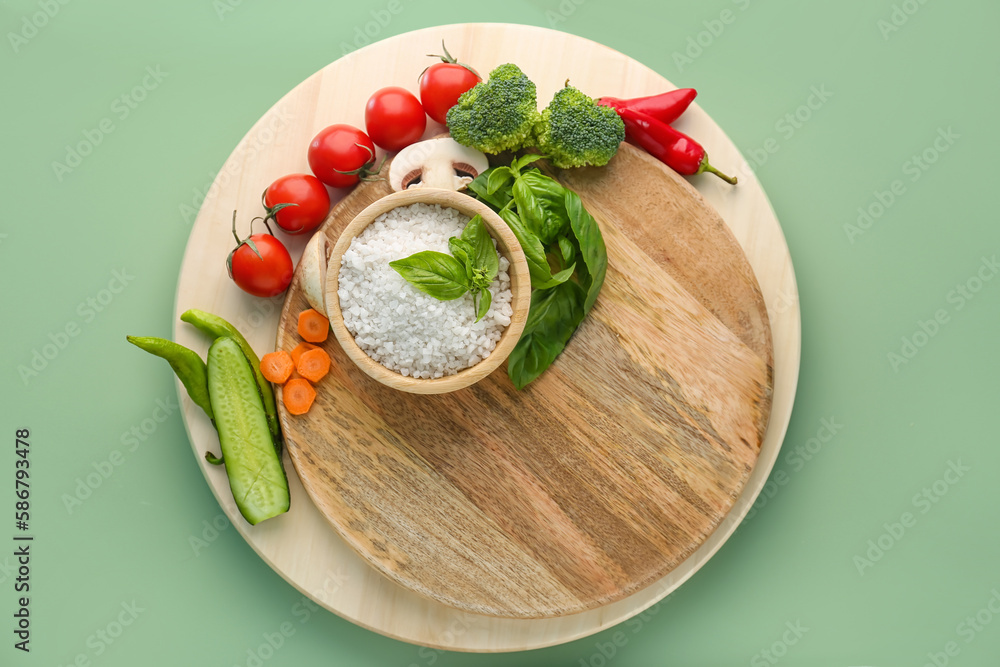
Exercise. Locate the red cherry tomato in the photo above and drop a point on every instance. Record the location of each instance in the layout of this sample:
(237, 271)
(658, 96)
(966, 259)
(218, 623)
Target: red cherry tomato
(341, 148)
(394, 118)
(312, 203)
(260, 264)
(442, 84)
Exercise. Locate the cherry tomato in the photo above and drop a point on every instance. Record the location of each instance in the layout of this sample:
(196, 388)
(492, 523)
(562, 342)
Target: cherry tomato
(260, 264)
(394, 118)
(341, 148)
(312, 203)
(442, 84)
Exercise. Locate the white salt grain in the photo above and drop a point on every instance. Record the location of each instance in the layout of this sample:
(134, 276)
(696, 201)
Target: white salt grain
(396, 324)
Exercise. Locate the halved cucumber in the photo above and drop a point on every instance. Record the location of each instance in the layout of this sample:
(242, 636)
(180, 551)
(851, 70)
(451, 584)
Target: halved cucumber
(256, 476)
(215, 326)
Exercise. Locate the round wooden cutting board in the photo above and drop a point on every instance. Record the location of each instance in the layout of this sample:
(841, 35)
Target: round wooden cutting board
(598, 478)
(606, 483)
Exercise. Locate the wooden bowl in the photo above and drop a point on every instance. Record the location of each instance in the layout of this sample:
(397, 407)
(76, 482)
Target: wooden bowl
(520, 286)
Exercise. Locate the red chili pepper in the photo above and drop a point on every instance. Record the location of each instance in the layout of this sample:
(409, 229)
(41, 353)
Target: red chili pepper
(675, 149)
(665, 107)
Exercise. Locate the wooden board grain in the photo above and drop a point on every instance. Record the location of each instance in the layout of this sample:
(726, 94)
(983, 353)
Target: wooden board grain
(601, 476)
(302, 546)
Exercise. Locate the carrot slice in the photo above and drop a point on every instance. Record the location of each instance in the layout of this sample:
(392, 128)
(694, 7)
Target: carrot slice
(298, 396)
(276, 366)
(314, 364)
(299, 349)
(313, 327)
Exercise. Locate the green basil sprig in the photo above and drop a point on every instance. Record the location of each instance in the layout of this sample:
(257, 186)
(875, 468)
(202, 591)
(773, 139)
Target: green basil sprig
(566, 254)
(435, 273)
(472, 266)
(554, 316)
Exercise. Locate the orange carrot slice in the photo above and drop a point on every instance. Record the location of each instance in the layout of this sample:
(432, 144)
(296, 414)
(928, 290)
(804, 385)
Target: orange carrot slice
(276, 366)
(299, 349)
(313, 327)
(298, 396)
(314, 364)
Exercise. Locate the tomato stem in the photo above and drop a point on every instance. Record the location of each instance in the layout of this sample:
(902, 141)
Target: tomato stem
(365, 172)
(238, 241)
(248, 241)
(272, 211)
(448, 58)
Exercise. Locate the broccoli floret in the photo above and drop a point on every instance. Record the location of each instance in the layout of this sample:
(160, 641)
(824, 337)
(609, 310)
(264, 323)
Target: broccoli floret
(575, 131)
(495, 115)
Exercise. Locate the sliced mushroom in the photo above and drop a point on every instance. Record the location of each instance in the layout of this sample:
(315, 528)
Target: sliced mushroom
(314, 261)
(436, 163)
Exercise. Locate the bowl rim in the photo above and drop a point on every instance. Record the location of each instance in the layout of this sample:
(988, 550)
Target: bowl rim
(508, 245)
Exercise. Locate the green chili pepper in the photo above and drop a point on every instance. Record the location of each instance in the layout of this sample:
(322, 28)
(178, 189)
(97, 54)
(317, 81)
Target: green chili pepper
(186, 364)
(216, 327)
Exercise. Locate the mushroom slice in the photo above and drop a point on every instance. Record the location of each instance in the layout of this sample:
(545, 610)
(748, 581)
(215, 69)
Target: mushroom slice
(436, 163)
(314, 262)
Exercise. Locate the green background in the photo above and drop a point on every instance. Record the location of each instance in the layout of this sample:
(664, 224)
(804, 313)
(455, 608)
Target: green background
(899, 425)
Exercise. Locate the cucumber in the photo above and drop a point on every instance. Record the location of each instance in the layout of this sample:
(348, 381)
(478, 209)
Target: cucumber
(215, 326)
(256, 476)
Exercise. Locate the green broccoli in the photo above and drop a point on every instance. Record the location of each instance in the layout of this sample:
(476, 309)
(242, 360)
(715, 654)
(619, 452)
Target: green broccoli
(495, 115)
(575, 131)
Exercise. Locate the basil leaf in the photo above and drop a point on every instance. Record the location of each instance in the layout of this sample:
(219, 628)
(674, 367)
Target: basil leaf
(499, 177)
(480, 187)
(435, 273)
(485, 301)
(528, 207)
(557, 278)
(566, 249)
(484, 255)
(463, 252)
(541, 204)
(523, 161)
(592, 248)
(554, 316)
(538, 265)
(460, 248)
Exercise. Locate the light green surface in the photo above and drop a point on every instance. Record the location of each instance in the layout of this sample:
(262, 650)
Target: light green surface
(792, 563)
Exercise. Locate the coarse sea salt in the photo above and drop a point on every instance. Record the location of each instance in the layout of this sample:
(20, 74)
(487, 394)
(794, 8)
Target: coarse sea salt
(396, 324)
